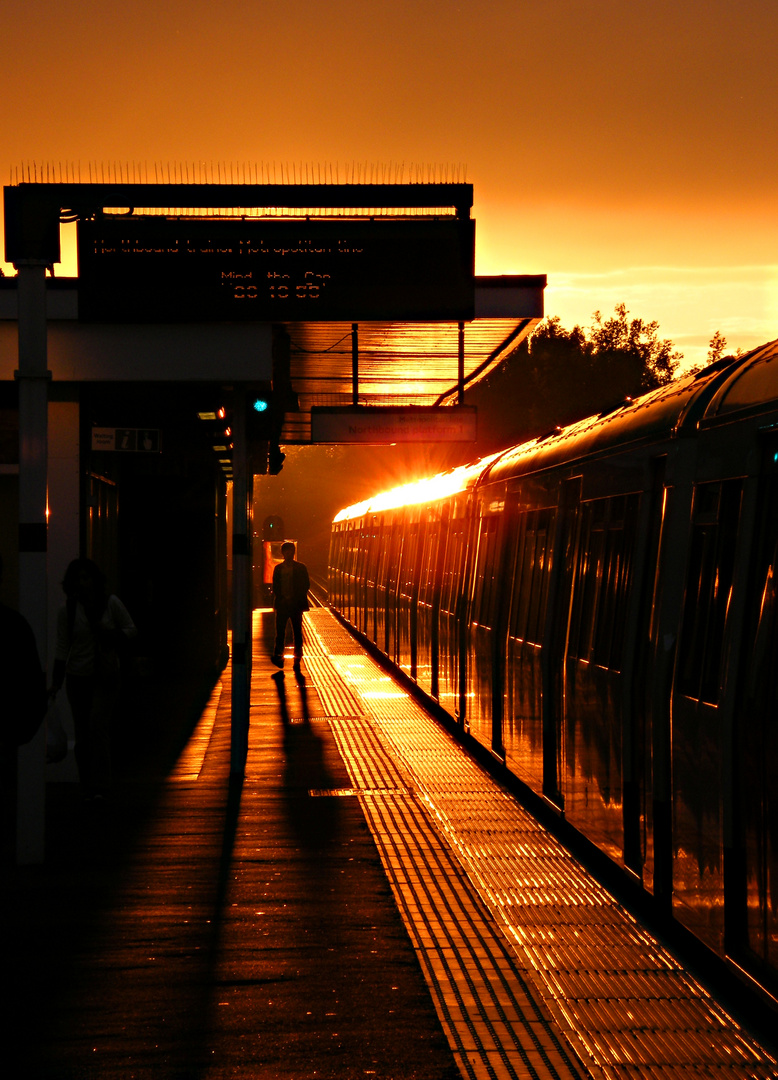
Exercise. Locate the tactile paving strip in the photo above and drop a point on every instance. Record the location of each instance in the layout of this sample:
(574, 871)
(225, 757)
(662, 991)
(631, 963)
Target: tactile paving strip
(325, 634)
(496, 1024)
(623, 1002)
(336, 698)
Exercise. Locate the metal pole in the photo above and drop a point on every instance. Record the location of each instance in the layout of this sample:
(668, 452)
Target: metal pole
(241, 582)
(33, 378)
(461, 366)
(355, 364)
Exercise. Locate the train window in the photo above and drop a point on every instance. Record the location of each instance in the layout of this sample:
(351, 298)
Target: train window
(706, 503)
(360, 554)
(374, 549)
(613, 588)
(617, 509)
(345, 547)
(348, 562)
(356, 532)
(531, 576)
(429, 560)
(715, 515)
(603, 574)
(525, 558)
(445, 581)
(452, 566)
(410, 561)
(395, 552)
(588, 571)
(387, 541)
(542, 574)
(485, 593)
(597, 511)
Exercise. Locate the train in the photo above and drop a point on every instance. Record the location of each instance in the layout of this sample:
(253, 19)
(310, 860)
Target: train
(597, 609)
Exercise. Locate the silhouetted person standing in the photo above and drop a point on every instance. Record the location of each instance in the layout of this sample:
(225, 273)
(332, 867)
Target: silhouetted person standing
(290, 599)
(92, 630)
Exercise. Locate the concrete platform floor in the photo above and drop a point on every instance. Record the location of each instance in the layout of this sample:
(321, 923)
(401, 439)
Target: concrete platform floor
(195, 929)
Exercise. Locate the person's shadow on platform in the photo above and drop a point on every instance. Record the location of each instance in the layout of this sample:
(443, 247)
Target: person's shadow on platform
(313, 815)
(279, 678)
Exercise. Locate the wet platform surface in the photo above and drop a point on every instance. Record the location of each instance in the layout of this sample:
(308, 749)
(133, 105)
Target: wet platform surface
(367, 902)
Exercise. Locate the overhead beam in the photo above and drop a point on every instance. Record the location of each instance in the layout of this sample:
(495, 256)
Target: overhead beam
(32, 211)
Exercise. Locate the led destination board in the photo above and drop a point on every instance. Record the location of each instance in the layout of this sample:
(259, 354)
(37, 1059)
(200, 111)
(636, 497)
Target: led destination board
(149, 269)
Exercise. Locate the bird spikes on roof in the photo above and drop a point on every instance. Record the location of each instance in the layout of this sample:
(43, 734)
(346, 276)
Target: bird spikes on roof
(235, 174)
(231, 172)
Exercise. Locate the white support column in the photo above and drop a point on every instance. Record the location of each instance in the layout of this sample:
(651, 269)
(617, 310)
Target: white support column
(33, 378)
(241, 584)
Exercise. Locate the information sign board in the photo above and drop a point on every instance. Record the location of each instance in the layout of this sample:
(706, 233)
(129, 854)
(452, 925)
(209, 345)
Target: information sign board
(152, 269)
(379, 425)
(133, 440)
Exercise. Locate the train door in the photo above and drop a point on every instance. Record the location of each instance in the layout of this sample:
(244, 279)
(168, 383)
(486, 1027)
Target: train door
(341, 554)
(555, 630)
(382, 592)
(371, 576)
(333, 581)
(483, 630)
(640, 649)
(594, 665)
(452, 608)
(407, 593)
(360, 575)
(523, 703)
(429, 603)
(752, 923)
(343, 566)
(348, 575)
(697, 737)
(392, 582)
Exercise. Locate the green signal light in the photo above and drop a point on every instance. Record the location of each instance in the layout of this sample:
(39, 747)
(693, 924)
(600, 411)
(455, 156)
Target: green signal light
(259, 405)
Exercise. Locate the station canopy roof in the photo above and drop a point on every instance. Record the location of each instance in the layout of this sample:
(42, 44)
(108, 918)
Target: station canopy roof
(407, 363)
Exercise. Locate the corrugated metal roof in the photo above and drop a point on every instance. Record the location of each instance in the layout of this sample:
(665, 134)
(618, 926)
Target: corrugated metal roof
(406, 363)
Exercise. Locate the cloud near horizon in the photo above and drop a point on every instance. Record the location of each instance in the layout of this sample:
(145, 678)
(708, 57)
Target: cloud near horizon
(671, 295)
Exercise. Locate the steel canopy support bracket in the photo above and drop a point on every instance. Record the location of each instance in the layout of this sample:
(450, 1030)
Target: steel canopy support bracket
(355, 364)
(241, 589)
(461, 366)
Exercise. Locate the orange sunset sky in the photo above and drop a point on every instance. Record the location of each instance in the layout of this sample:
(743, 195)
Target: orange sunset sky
(627, 151)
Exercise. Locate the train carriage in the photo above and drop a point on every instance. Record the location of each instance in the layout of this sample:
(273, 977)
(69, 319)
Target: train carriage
(598, 609)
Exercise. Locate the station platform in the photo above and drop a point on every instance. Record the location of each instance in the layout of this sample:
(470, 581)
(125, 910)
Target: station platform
(366, 901)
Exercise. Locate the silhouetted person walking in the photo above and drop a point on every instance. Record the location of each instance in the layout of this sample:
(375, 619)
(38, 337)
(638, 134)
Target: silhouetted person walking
(290, 599)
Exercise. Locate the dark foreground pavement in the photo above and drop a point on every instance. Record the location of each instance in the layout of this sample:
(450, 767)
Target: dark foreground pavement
(193, 928)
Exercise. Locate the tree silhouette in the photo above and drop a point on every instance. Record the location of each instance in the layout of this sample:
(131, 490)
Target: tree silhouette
(635, 346)
(716, 347)
(557, 376)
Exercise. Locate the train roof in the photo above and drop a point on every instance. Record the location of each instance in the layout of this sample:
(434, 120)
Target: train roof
(728, 388)
(429, 489)
(725, 388)
(748, 388)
